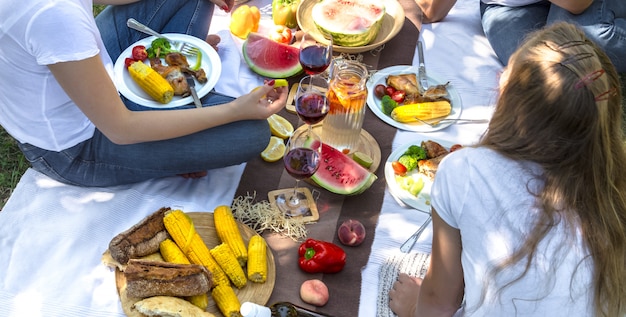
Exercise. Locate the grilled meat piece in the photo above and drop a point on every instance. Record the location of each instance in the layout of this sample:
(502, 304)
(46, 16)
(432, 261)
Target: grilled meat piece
(173, 74)
(436, 92)
(433, 149)
(429, 167)
(406, 82)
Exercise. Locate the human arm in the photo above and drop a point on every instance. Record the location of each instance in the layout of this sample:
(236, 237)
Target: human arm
(223, 4)
(88, 84)
(435, 10)
(442, 289)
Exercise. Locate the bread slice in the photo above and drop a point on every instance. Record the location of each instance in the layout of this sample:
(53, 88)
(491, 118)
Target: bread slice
(153, 278)
(141, 239)
(168, 306)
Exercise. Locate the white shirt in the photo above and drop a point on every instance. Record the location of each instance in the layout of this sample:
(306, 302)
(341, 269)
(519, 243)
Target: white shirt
(35, 33)
(485, 196)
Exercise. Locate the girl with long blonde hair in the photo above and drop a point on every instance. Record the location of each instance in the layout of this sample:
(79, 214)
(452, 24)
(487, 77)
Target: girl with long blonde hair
(532, 220)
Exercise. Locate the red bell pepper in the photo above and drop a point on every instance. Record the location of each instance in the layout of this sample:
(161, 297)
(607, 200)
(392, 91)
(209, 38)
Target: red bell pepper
(317, 256)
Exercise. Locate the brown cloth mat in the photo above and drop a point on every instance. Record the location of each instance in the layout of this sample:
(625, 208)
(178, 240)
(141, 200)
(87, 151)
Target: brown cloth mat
(261, 177)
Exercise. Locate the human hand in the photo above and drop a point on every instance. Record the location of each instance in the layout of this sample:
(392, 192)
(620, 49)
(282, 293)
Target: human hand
(262, 102)
(225, 5)
(403, 295)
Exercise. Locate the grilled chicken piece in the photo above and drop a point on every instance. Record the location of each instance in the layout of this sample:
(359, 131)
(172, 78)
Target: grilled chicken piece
(176, 59)
(437, 92)
(174, 75)
(429, 167)
(406, 82)
(434, 149)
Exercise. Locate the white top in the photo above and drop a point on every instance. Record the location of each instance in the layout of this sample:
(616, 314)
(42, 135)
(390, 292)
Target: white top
(511, 3)
(33, 107)
(485, 196)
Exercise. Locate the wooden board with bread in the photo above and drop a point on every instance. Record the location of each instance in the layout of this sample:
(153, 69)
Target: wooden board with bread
(148, 285)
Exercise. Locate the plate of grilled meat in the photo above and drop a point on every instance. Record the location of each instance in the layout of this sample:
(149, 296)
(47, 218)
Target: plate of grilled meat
(440, 100)
(411, 169)
(173, 67)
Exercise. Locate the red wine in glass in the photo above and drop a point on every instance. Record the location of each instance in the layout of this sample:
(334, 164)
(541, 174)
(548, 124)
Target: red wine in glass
(301, 163)
(315, 58)
(312, 107)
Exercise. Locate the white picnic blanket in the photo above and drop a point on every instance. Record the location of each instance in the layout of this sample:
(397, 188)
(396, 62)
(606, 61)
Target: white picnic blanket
(52, 235)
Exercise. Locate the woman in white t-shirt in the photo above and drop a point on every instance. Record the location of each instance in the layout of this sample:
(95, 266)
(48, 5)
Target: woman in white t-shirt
(58, 99)
(532, 220)
(507, 22)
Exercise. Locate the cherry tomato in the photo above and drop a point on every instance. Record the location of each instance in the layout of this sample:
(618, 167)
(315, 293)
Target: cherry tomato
(398, 96)
(455, 147)
(139, 53)
(380, 90)
(398, 168)
(128, 61)
(281, 34)
(390, 90)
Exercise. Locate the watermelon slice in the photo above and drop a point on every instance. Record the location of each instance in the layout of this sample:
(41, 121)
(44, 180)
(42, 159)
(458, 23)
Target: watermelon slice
(269, 58)
(340, 174)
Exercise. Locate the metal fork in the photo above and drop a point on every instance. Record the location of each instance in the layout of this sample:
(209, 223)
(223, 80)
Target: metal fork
(183, 47)
(410, 242)
(436, 123)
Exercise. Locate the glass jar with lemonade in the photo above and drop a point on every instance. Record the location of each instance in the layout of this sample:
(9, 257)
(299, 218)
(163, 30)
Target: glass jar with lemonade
(347, 96)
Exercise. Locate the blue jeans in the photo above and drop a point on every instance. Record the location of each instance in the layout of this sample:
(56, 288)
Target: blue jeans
(604, 22)
(100, 162)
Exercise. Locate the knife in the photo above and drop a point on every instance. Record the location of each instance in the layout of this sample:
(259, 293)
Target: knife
(421, 75)
(192, 87)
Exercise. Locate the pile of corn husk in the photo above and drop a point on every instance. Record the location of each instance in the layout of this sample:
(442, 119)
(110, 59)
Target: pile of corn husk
(261, 216)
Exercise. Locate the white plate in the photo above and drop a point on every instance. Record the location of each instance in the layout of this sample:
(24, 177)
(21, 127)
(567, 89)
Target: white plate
(210, 63)
(422, 200)
(392, 23)
(380, 77)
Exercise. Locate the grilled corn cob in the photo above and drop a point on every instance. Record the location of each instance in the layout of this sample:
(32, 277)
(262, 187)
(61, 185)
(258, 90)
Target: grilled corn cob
(228, 232)
(422, 110)
(172, 253)
(151, 82)
(180, 227)
(226, 300)
(257, 259)
(224, 256)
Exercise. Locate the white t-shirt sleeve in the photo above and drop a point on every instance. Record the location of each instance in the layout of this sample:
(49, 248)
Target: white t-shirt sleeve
(78, 43)
(450, 187)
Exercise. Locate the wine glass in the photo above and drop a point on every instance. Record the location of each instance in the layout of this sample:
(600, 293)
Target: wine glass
(315, 57)
(302, 158)
(311, 101)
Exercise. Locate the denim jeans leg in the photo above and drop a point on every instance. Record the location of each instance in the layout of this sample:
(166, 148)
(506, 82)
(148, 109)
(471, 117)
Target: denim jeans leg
(506, 27)
(191, 17)
(604, 22)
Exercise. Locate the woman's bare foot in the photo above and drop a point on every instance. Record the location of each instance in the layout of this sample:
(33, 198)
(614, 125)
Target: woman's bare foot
(194, 174)
(403, 295)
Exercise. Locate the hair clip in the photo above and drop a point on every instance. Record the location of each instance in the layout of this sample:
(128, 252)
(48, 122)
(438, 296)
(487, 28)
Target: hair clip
(575, 58)
(558, 47)
(607, 94)
(589, 78)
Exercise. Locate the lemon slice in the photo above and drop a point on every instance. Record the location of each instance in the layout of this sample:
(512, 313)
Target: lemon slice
(280, 83)
(274, 150)
(279, 126)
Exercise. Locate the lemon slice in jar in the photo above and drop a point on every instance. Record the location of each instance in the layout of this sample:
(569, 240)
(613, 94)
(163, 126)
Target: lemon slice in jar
(274, 150)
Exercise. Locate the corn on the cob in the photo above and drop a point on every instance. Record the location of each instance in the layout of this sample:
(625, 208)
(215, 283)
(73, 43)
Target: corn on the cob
(422, 110)
(226, 300)
(151, 82)
(227, 261)
(172, 253)
(228, 232)
(180, 227)
(257, 259)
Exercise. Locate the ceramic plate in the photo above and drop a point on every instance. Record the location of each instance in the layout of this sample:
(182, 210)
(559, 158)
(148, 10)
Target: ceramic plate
(210, 63)
(373, 102)
(393, 20)
(422, 200)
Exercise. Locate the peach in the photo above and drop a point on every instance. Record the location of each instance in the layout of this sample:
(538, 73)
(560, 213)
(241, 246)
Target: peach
(314, 292)
(351, 232)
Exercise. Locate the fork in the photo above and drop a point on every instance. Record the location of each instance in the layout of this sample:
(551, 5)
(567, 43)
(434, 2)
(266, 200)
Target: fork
(183, 47)
(410, 242)
(436, 123)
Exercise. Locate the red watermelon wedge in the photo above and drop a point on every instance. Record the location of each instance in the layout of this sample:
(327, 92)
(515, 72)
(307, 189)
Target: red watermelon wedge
(269, 58)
